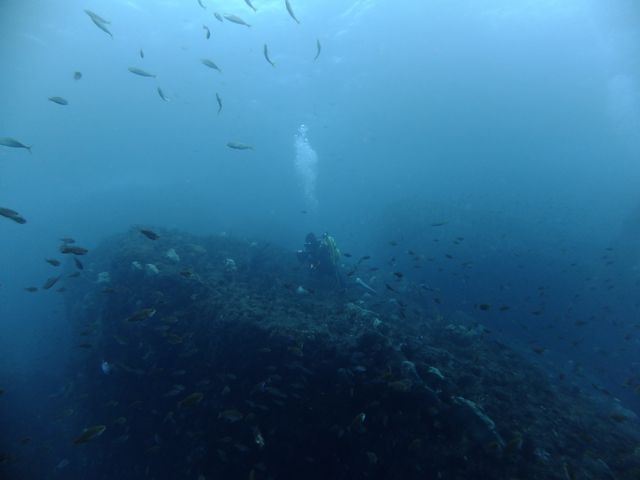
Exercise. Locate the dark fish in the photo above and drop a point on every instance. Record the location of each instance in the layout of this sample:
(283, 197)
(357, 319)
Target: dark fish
(208, 63)
(439, 224)
(362, 259)
(207, 32)
(504, 308)
(140, 72)
(12, 215)
(398, 274)
(99, 22)
(141, 53)
(13, 143)
(77, 75)
(90, 433)
(265, 51)
(202, 4)
(31, 289)
(150, 234)
(78, 263)
(73, 250)
(219, 100)
(67, 240)
(218, 16)
(162, 95)
(389, 287)
(59, 100)
(348, 255)
(96, 17)
(52, 261)
(236, 19)
(50, 282)
(484, 306)
(290, 10)
(318, 50)
(248, 2)
(239, 146)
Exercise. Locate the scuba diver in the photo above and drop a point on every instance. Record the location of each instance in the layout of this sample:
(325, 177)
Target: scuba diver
(322, 258)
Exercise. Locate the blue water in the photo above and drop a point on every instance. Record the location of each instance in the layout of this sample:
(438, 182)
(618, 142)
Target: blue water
(515, 122)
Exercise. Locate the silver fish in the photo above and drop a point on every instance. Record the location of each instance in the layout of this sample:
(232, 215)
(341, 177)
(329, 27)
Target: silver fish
(236, 19)
(265, 51)
(207, 32)
(318, 50)
(59, 100)
(290, 10)
(209, 63)
(12, 142)
(162, 95)
(218, 16)
(248, 2)
(219, 100)
(142, 73)
(99, 22)
(239, 146)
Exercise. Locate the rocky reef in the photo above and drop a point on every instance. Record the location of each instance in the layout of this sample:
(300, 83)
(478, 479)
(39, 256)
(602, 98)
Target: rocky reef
(219, 366)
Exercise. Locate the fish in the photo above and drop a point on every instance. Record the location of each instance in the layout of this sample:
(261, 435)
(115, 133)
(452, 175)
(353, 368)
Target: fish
(209, 63)
(73, 250)
(398, 274)
(96, 17)
(207, 32)
(232, 415)
(90, 433)
(31, 289)
(106, 367)
(484, 306)
(62, 463)
(218, 16)
(59, 100)
(202, 4)
(318, 50)
(78, 263)
(236, 19)
(77, 76)
(141, 315)
(50, 282)
(140, 72)
(162, 95)
(290, 10)
(12, 215)
(67, 240)
(439, 224)
(360, 282)
(52, 261)
(99, 22)
(191, 400)
(265, 51)
(248, 2)
(239, 146)
(219, 100)
(141, 53)
(150, 234)
(13, 143)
